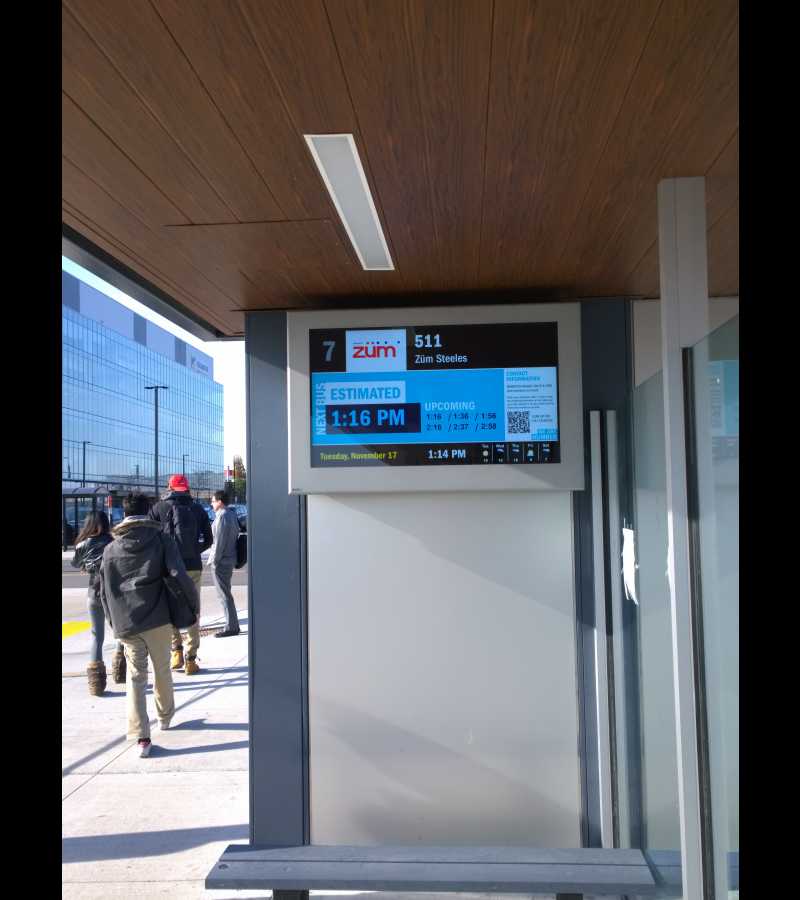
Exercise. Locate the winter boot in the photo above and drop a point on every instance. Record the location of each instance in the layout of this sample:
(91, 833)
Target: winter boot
(191, 666)
(97, 678)
(176, 659)
(119, 667)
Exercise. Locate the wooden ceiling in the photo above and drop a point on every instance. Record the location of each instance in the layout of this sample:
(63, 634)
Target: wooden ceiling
(513, 147)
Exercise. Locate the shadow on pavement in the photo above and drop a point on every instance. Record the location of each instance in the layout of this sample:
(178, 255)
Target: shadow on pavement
(166, 752)
(96, 847)
(216, 685)
(203, 725)
(194, 685)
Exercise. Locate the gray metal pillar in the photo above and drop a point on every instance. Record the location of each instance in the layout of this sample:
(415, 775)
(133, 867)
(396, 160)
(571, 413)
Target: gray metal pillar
(276, 599)
(607, 385)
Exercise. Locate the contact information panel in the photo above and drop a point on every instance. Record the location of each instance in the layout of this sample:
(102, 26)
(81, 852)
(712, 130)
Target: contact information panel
(435, 395)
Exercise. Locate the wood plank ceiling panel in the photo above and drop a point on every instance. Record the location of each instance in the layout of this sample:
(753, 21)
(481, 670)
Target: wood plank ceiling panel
(98, 157)
(418, 74)
(559, 76)
(142, 242)
(219, 45)
(673, 122)
(288, 260)
(710, 120)
(148, 58)
(231, 323)
(296, 43)
(184, 156)
(93, 84)
(723, 255)
(722, 195)
(722, 182)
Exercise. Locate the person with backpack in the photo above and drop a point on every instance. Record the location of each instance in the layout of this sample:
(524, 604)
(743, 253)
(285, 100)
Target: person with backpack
(140, 572)
(92, 541)
(182, 518)
(222, 560)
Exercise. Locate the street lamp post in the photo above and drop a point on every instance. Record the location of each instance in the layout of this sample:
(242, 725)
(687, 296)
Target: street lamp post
(183, 470)
(156, 388)
(83, 480)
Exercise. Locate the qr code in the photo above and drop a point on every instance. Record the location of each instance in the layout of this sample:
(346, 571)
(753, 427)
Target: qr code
(519, 422)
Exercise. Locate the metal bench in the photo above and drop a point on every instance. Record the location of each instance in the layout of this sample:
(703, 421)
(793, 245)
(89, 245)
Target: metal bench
(290, 872)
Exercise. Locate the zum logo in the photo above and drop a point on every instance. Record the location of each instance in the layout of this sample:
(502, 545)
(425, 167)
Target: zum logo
(374, 350)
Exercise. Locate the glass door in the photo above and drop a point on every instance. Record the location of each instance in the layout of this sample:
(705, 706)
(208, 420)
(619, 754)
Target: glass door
(713, 400)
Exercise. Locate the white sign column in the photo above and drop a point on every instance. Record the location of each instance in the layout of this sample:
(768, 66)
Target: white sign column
(684, 321)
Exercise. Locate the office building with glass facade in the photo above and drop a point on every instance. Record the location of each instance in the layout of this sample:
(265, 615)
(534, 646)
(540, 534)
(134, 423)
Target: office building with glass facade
(110, 355)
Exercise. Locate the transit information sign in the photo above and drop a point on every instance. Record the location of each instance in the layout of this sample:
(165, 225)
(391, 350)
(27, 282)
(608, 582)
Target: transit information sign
(435, 395)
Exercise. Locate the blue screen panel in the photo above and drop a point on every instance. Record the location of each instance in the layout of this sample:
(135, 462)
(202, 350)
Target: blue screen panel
(448, 395)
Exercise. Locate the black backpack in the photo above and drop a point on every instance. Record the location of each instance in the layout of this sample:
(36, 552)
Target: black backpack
(241, 549)
(183, 527)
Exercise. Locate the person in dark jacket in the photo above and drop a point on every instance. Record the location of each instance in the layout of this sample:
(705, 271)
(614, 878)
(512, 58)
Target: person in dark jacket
(186, 521)
(134, 597)
(92, 540)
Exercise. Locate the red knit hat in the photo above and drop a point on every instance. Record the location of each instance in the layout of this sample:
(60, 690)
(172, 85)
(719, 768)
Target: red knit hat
(178, 483)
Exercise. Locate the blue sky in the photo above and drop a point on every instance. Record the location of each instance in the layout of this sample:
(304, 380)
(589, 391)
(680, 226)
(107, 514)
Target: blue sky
(228, 358)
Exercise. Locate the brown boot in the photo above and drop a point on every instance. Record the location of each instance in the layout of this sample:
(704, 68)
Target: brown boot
(176, 659)
(119, 667)
(191, 666)
(97, 678)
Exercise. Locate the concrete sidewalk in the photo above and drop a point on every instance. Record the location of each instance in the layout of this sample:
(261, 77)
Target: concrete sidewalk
(142, 828)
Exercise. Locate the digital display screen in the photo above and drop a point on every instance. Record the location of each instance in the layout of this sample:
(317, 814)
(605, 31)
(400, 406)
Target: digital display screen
(435, 395)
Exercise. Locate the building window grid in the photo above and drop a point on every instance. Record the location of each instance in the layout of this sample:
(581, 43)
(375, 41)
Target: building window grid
(111, 368)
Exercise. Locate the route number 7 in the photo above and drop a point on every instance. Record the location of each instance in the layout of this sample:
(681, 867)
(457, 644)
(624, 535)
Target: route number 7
(329, 353)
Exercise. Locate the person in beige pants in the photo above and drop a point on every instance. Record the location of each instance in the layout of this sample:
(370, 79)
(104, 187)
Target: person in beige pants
(155, 644)
(134, 574)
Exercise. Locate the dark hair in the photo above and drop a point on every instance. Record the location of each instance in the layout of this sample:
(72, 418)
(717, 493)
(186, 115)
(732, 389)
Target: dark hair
(135, 505)
(95, 524)
(222, 496)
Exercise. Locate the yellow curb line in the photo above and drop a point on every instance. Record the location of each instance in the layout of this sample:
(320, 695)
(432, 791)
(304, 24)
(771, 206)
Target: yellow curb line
(70, 628)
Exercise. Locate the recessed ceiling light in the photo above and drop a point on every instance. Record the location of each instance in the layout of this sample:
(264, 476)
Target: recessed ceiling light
(338, 162)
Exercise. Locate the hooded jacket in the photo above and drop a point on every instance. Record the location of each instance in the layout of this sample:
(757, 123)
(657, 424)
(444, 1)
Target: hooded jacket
(132, 585)
(160, 513)
(89, 553)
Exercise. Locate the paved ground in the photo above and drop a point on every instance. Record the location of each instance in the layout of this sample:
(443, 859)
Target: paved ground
(142, 828)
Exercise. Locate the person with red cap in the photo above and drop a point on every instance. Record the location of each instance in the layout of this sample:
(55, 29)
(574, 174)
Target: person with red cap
(186, 521)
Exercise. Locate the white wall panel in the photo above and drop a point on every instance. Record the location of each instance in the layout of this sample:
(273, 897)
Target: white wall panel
(442, 672)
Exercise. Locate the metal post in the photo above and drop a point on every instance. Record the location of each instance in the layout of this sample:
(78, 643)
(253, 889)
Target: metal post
(156, 388)
(155, 479)
(183, 468)
(83, 480)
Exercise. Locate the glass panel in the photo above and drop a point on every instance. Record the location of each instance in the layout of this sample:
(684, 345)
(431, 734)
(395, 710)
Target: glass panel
(645, 735)
(659, 764)
(715, 363)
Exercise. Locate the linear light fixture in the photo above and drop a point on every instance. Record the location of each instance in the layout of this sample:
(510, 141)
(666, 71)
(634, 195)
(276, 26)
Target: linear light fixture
(336, 156)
